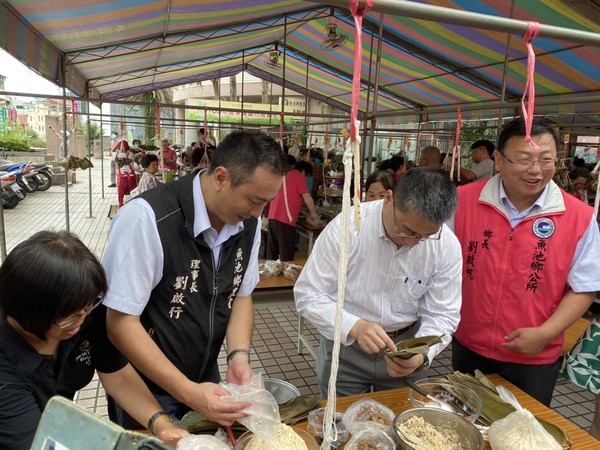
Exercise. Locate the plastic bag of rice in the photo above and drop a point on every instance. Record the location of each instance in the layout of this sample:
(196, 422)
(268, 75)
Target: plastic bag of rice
(520, 430)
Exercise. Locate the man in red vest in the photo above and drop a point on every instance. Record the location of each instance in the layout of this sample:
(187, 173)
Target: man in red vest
(531, 258)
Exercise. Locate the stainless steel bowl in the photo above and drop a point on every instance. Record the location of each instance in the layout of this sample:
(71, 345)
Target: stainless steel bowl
(281, 390)
(469, 436)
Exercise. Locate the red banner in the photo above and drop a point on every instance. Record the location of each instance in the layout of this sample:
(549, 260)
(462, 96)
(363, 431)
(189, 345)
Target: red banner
(12, 114)
(74, 110)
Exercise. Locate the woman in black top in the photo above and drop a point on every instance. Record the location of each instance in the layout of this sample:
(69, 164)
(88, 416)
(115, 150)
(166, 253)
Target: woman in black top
(53, 337)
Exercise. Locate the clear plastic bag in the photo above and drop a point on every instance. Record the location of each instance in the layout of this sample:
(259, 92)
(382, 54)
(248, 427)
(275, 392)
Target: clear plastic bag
(367, 414)
(263, 415)
(269, 268)
(292, 271)
(373, 439)
(520, 430)
(315, 426)
(201, 441)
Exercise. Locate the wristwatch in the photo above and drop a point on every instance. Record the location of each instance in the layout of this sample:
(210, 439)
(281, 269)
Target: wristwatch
(158, 414)
(424, 365)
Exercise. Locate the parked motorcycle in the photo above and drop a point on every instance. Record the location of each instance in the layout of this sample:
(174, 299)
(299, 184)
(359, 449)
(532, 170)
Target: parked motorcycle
(10, 191)
(18, 169)
(44, 176)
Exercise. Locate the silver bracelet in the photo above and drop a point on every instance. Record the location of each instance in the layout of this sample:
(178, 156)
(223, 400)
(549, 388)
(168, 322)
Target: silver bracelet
(237, 351)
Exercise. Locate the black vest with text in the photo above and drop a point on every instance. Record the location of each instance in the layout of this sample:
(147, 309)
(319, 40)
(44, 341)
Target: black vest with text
(189, 309)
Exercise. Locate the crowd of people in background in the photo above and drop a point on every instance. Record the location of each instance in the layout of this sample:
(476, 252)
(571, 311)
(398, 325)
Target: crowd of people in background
(134, 171)
(427, 236)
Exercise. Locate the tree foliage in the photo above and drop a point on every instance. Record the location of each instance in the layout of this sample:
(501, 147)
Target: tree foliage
(149, 100)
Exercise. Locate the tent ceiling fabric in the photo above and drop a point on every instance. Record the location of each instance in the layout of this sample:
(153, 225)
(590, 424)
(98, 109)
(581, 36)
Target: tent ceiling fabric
(114, 49)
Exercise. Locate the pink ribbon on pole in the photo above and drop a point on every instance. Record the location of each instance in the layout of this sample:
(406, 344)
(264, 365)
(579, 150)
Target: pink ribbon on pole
(358, 19)
(533, 29)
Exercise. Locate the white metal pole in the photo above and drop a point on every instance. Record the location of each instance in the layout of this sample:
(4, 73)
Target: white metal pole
(442, 14)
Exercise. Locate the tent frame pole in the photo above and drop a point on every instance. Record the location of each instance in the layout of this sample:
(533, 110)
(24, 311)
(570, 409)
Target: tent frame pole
(470, 19)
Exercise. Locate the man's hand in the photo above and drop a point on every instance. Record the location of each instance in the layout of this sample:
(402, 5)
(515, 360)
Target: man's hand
(239, 371)
(398, 367)
(530, 341)
(370, 337)
(171, 433)
(206, 399)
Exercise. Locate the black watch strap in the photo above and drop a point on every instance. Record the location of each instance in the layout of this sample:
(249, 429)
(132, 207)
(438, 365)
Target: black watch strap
(424, 365)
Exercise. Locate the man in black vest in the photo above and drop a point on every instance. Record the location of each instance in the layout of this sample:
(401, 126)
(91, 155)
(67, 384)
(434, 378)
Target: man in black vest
(182, 262)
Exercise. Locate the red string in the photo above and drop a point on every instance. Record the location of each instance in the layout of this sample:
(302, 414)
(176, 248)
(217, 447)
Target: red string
(231, 436)
(533, 29)
(358, 19)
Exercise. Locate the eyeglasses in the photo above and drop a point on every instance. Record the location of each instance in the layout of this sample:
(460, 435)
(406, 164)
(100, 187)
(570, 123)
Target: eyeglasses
(545, 163)
(418, 237)
(69, 322)
(431, 237)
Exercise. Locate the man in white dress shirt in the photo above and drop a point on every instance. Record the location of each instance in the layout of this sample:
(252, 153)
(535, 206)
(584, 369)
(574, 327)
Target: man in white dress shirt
(403, 280)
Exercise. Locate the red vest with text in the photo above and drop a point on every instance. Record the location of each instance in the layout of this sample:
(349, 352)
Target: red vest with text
(514, 278)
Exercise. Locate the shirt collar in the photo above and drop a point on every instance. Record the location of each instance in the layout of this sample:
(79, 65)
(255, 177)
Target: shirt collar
(201, 219)
(537, 205)
(22, 355)
(380, 228)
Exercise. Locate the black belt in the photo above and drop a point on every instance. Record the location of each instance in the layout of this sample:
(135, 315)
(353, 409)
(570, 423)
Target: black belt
(395, 334)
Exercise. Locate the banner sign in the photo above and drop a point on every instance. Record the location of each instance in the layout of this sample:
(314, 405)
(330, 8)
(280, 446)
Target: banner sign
(254, 113)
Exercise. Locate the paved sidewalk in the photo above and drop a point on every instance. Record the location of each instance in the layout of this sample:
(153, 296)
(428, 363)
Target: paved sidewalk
(46, 210)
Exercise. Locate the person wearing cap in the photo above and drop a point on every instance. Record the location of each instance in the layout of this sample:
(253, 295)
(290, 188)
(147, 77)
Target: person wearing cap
(168, 155)
(483, 167)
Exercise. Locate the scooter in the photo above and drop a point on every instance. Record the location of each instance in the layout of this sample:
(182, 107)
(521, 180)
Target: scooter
(10, 191)
(44, 176)
(18, 169)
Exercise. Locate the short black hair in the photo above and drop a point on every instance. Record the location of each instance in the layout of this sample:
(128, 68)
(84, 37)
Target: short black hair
(489, 146)
(304, 166)
(241, 152)
(148, 159)
(540, 125)
(395, 162)
(385, 177)
(49, 277)
(291, 161)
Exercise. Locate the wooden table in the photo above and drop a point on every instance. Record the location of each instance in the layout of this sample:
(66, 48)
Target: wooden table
(279, 291)
(310, 232)
(397, 400)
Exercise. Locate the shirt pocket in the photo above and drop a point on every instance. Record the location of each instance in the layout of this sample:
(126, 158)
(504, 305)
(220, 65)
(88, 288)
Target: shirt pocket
(411, 292)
